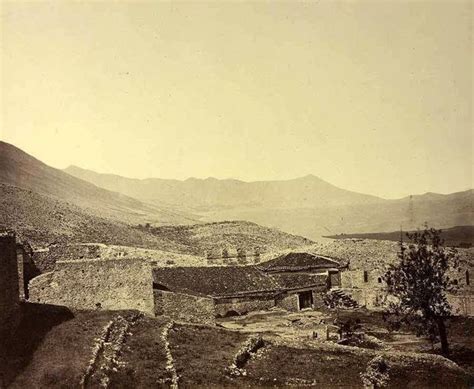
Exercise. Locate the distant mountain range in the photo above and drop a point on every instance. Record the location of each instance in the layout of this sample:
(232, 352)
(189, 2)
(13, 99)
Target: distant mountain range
(307, 206)
(211, 194)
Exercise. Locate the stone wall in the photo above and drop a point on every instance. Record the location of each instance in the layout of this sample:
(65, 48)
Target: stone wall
(184, 307)
(243, 305)
(356, 279)
(462, 305)
(335, 279)
(288, 301)
(97, 284)
(9, 283)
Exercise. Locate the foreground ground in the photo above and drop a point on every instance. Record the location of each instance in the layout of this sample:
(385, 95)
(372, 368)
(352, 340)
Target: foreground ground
(57, 348)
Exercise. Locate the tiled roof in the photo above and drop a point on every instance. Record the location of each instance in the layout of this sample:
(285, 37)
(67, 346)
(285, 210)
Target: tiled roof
(215, 281)
(297, 262)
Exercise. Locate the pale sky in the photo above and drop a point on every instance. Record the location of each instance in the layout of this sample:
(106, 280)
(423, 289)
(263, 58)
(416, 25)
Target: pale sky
(374, 97)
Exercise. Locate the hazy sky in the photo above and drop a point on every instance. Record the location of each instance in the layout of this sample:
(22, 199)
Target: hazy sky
(374, 97)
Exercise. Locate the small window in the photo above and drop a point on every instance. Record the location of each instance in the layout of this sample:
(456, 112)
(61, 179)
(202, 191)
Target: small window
(467, 277)
(379, 280)
(366, 276)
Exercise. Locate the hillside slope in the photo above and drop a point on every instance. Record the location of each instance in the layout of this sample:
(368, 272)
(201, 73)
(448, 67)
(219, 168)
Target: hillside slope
(43, 219)
(20, 169)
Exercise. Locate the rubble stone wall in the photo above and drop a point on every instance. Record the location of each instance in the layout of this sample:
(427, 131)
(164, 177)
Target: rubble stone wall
(9, 283)
(462, 305)
(288, 302)
(97, 284)
(243, 305)
(184, 307)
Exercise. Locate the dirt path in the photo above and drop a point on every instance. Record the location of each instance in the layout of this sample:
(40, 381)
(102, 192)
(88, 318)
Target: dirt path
(107, 351)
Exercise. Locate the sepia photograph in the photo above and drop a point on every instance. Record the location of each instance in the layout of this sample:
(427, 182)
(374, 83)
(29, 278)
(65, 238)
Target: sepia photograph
(236, 194)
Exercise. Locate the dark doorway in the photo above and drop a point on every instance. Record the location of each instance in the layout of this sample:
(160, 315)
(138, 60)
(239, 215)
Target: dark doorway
(305, 300)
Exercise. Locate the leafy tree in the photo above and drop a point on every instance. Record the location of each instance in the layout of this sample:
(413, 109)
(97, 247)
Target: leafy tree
(420, 282)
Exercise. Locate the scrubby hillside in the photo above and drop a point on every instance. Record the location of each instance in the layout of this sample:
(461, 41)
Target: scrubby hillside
(43, 219)
(232, 235)
(20, 169)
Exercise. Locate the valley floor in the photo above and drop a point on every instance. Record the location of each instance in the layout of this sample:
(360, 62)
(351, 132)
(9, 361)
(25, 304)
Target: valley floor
(57, 348)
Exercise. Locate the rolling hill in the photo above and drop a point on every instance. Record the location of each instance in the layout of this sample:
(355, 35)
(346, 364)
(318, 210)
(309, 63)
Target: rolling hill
(306, 206)
(232, 235)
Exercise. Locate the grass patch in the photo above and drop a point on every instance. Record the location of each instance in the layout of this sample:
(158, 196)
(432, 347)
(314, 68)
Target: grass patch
(202, 354)
(52, 346)
(143, 359)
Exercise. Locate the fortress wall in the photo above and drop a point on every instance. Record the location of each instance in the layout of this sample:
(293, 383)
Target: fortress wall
(184, 307)
(9, 282)
(97, 284)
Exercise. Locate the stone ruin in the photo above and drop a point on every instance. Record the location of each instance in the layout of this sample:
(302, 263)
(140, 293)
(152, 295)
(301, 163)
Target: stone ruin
(238, 256)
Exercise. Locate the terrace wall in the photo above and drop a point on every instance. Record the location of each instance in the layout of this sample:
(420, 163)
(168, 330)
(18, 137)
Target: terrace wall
(97, 284)
(184, 307)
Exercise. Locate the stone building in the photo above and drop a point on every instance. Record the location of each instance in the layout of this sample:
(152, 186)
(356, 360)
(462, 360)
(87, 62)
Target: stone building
(366, 287)
(10, 270)
(463, 301)
(368, 261)
(294, 282)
